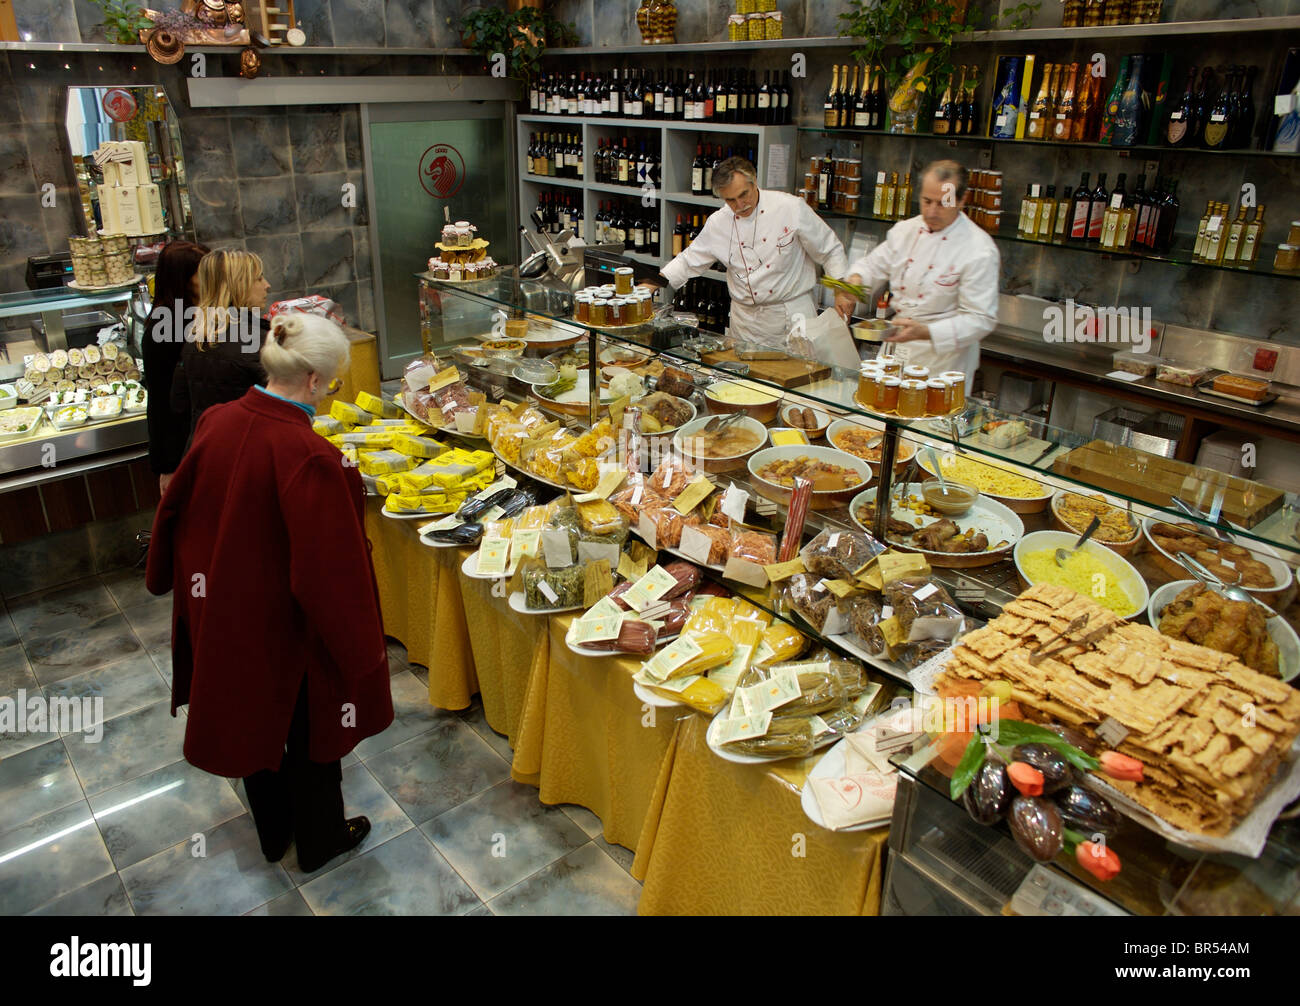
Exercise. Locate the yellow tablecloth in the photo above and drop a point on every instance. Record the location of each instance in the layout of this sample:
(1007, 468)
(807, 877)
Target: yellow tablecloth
(728, 839)
(419, 596)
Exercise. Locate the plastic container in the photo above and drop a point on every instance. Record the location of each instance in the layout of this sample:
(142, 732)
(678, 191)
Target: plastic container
(1144, 364)
(1181, 374)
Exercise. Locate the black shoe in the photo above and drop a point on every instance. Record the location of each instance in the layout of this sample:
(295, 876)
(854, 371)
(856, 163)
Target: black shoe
(354, 833)
(276, 856)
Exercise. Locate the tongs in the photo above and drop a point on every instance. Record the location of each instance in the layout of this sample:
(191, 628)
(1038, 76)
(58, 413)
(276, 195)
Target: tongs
(1218, 523)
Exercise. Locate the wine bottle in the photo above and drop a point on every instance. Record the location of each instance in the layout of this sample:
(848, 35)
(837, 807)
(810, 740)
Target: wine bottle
(1246, 114)
(1204, 105)
(765, 99)
(1252, 239)
(1219, 123)
(1203, 231)
(1060, 224)
(1166, 219)
(1180, 127)
(903, 198)
(1098, 211)
(1067, 108)
(943, 112)
(1046, 215)
(1127, 117)
(861, 111)
(679, 236)
(710, 99)
(1039, 110)
(1111, 112)
(697, 171)
(1141, 210)
(850, 101)
(830, 117)
(1232, 249)
(1080, 207)
(957, 112)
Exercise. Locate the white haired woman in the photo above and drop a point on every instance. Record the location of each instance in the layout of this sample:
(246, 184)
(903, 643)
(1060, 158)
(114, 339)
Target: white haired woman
(277, 642)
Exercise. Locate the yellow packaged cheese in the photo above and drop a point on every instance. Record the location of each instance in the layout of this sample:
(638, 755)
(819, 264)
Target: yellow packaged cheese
(378, 406)
(349, 413)
(383, 462)
(417, 447)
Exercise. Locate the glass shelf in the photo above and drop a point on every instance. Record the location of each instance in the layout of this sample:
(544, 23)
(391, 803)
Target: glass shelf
(1180, 254)
(59, 299)
(1046, 454)
(855, 134)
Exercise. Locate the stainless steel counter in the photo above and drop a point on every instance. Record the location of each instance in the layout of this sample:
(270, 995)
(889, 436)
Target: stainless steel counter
(51, 453)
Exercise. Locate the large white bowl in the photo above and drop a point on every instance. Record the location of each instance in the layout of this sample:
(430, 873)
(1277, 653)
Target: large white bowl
(1281, 571)
(820, 500)
(906, 448)
(1288, 643)
(718, 464)
(1128, 577)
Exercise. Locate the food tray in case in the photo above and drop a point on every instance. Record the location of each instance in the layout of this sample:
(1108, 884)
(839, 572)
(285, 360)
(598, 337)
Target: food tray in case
(1206, 387)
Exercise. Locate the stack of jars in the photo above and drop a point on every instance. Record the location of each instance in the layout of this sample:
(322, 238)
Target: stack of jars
(910, 392)
(984, 199)
(755, 21)
(1096, 13)
(846, 188)
(101, 261)
(614, 305)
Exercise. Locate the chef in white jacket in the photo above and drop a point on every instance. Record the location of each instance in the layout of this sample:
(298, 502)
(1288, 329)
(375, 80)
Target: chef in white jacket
(942, 271)
(771, 244)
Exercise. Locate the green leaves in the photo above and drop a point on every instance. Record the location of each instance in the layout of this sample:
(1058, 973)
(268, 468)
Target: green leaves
(123, 21)
(971, 760)
(489, 30)
(1014, 732)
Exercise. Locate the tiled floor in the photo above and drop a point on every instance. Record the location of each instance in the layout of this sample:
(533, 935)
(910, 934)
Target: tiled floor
(123, 825)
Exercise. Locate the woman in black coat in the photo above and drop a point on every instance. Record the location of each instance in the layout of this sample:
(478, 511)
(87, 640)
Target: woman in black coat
(220, 360)
(175, 290)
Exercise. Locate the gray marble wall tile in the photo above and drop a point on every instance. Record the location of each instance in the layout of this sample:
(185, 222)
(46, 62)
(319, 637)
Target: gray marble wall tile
(15, 165)
(327, 258)
(821, 19)
(314, 19)
(320, 200)
(209, 149)
(89, 21)
(262, 145)
(282, 259)
(215, 205)
(344, 295)
(1059, 273)
(361, 252)
(614, 22)
(317, 139)
(358, 22)
(1204, 10)
(1175, 294)
(410, 23)
(693, 20)
(268, 206)
(1019, 266)
(1238, 307)
(354, 157)
(579, 13)
(366, 322)
(63, 218)
(22, 230)
(47, 20)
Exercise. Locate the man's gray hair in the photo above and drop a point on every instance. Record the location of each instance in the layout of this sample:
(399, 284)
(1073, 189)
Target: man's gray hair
(948, 171)
(728, 169)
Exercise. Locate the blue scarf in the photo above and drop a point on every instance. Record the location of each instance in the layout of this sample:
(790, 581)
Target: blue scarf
(302, 405)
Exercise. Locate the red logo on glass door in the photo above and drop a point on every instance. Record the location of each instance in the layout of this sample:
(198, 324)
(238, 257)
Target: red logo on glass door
(442, 171)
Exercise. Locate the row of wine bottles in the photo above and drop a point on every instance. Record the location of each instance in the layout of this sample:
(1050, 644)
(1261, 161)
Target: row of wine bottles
(1219, 121)
(626, 161)
(708, 300)
(1222, 243)
(561, 211)
(712, 96)
(1115, 219)
(628, 223)
(850, 106)
(555, 155)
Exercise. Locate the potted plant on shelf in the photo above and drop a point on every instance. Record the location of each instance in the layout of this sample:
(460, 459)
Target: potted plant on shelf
(923, 33)
(123, 21)
(521, 35)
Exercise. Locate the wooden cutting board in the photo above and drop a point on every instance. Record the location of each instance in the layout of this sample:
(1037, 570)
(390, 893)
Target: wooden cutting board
(1154, 480)
(788, 373)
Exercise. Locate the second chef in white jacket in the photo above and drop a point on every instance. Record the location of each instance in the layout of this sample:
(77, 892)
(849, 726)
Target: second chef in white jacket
(942, 271)
(770, 243)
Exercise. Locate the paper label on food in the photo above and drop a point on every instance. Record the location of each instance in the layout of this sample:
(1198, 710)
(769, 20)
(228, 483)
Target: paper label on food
(493, 513)
(671, 685)
(493, 555)
(819, 587)
(647, 529)
(645, 591)
(744, 571)
(525, 544)
(443, 378)
(819, 725)
(727, 675)
(778, 690)
(833, 540)
(928, 627)
(734, 501)
(925, 592)
(764, 652)
(897, 565)
(603, 608)
(547, 591)
(588, 629)
(887, 611)
(892, 630)
(1112, 731)
(665, 480)
(609, 481)
(779, 571)
(696, 545)
(598, 551)
(467, 422)
(446, 524)
(680, 651)
(418, 379)
(743, 728)
(693, 495)
(631, 569)
(637, 493)
(556, 548)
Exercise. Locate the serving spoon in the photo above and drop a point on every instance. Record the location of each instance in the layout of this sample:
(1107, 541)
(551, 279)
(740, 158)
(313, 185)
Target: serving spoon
(1063, 555)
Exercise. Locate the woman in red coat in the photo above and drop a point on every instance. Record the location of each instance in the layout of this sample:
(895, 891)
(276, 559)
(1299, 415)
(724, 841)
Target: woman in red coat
(277, 643)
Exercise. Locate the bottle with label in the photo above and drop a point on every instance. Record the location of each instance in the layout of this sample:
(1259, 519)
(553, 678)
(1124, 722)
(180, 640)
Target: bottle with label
(903, 198)
(1126, 227)
(1062, 221)
(1080, 207)
(861, 110)
(1110, 221)
(1203, 104)
(679, 236)
(878, 196)
(1036, 129)
(1029, 212)
(879, 102)
(1245, 118)
(1252, 238)
(1046, 215)
(697, 171)
(1097, 213)
(765, 98)
(1066, 108)
(1166, 218)
(1235, 233)
(1219, 125)
(1141, 212)
(1202, 231)
(1180, 127)
(1112, 107)
(830, 116)
(943, 112)
(825, 180)
(848, 98)
(891, 196)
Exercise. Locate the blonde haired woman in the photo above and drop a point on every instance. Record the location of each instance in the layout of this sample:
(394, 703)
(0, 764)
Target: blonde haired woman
(277, 642)
(220, 359)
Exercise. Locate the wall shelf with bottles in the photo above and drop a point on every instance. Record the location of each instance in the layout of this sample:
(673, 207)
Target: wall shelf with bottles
(855, 134)
(713, 202)
(679, 124)
(571, 183)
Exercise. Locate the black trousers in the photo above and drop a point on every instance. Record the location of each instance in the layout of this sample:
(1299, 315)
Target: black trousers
(302, 801)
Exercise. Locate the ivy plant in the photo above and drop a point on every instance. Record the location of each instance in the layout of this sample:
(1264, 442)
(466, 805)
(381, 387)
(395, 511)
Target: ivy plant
(522, 36)
(123, 21)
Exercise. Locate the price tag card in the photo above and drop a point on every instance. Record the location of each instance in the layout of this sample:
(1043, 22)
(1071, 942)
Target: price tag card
(1121, 375)
(930, 627)
(779, 571)
(418, 379)
(598, 581)
(841, 588)
(693, 495)
(556, 548)
(892, 629)
(547, 591)
(727, 675)
(897, 565)
(631, 569)
(466, 421)
(525, 544)
(603, 609)
(444, 378)
(647, 530)
(588, 630)
(1284, 104)
(744, 571)
(493, 555)
(1112, 731)
(609, 481)
(680, 651)
(734, 501)
(597, 551)
(743, 728)
(654, 585)
(672, 685)
(446, 524)
(616, 408)
(780, 688)
(480, 421)
(818, 725)
(695, 545)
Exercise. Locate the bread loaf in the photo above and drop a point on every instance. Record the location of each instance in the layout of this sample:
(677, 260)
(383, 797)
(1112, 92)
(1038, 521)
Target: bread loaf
(1243, 387)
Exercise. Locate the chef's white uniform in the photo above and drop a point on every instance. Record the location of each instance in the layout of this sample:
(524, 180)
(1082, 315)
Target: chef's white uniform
(771, 258)
(946, 279)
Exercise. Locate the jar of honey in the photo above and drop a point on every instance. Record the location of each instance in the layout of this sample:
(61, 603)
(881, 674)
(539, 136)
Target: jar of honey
(623, 280)
(892, 366)
(599, 311)
(887, 394)
(956, 382)
(911, 399)
(868, 386)
(583, 305)
(916, 373)
(936, 397)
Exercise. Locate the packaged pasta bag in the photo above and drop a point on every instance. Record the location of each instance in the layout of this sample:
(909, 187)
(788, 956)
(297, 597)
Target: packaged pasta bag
(781, 642)
(452, 399)
(599, 517)
(838, 555)
(686, 574)
(417, 446)
(746, 634)
(747, 611)
(494, 419)
(551, 589)
(786, 737)
(714, 615)
(807, 595)
(532, 519)
(673, 621)
(598, 441)
(696, 691)
(634, 636)
(917, 653)
(510, 439)
(421, 405)
(378, 406)
(671, 477)
(820, 685)
(634, 496)
(757, 547)
(346, 412)
(715, 649)
(861, 614)
(580, 472)
(531, 418)
(924, 610)
(328, 426)
(365, 438)
(707, 543)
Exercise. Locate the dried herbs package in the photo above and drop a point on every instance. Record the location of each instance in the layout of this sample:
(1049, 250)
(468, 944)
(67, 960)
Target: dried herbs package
(838, 555)
(551, 589)
(809, 596)
(862, 616)
(923, 609)
(786, 737)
